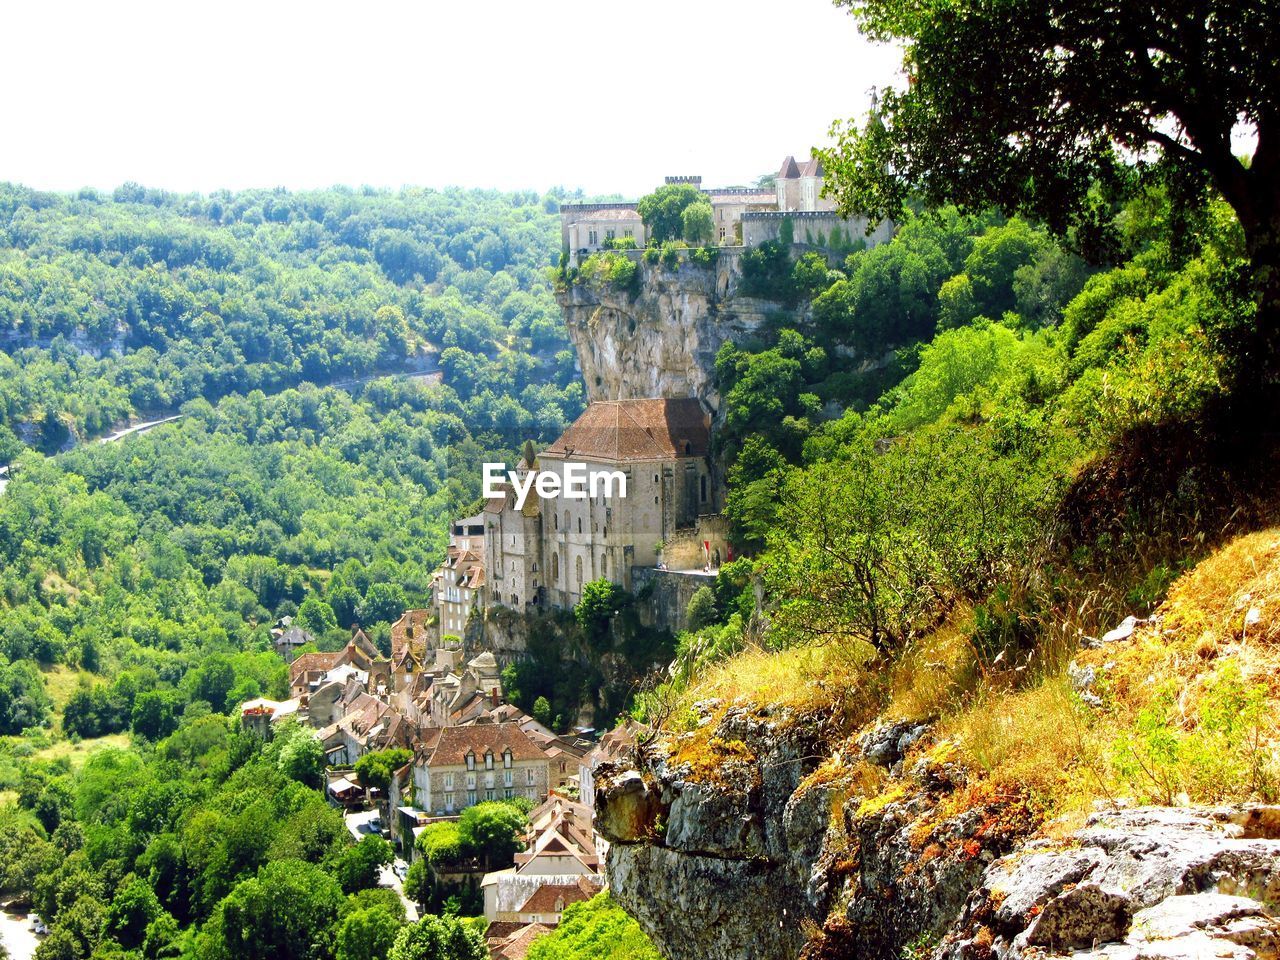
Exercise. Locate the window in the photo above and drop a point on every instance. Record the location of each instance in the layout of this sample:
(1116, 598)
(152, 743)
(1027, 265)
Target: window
(579, 524)
(528, 771)
(488, 781)
(506, 760)
(604, 564)
(471, 798)
(508, 778)
(471, 761)
(488, 794)
(507, 793)
(448, 803)
(471, 781)
(591, 237)
(555, 568)
(488, 759)
(577, 570)
(448, 781)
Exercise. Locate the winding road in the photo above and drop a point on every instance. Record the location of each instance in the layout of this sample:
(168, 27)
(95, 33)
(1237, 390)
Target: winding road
(433, 375)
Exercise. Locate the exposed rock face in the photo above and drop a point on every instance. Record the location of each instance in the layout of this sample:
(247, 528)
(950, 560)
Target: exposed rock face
(662, 342)
(722, 868)
(1143, 883)
(733, 857)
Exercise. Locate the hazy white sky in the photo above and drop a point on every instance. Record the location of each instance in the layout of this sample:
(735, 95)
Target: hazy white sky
(608, 96)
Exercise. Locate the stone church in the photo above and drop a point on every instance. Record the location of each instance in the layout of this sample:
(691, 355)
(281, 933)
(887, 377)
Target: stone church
(542, 554)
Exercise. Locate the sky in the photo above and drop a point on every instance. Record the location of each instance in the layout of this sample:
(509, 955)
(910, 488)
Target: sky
(601, 95)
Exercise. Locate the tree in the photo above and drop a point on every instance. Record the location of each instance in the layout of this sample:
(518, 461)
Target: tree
(542, 710)
(359, 865)
(23, 701)
(153, 715)
(301, 755)
(439, 938)
(287, 911)
(701, 611)
(1028, 106)
(595, 928)
(367, 935)
(132, 910)
(316, 617)
(600, 603)
(663, 210)
(375, 769)
(384, 601)
(493, 830)
(697, 223)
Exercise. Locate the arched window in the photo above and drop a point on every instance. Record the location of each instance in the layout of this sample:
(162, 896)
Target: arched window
(555, 568)
(577, 570)
(579, 524)
(566, 521)
(687, 448)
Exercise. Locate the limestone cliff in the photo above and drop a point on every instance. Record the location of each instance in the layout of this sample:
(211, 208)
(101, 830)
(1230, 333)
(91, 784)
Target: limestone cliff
(659, 339)
(740, 851)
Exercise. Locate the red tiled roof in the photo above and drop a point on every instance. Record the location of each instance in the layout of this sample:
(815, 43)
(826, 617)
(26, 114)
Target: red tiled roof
(545, 897)
(618, 431)
(308, 662)
(455, 742)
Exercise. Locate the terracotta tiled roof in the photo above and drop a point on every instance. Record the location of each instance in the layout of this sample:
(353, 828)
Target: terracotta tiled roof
(455, 742)
(789, 169)
(516, 946)
(501, 929)
(620, 431)
(544, 900)
(308, 662)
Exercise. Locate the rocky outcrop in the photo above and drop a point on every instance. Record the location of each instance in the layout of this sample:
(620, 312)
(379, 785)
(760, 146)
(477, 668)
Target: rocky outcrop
(1142, 883)
(660, 340)
(730, 843)
(721, 866)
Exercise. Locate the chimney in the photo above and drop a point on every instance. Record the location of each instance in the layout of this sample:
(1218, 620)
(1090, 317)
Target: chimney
(493, 696)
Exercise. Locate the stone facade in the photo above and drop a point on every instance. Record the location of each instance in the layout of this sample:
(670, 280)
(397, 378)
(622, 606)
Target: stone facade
(543, 553)
(477, 763)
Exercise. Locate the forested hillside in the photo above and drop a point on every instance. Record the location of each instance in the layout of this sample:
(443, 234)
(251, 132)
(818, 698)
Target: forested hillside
(114, 306)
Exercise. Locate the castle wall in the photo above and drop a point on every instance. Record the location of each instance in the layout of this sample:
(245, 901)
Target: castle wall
(684, 550)
(811, 227)
(668, 595)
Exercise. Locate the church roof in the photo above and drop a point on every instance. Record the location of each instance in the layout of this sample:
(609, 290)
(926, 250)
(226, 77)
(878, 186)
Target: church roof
(619, 431)
(789, 169)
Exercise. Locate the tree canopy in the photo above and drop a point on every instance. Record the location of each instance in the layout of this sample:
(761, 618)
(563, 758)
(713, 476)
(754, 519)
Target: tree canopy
(1042, 107)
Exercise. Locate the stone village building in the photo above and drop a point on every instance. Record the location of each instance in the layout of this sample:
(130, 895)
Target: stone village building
(471, 764)
(743, 216)
(542, 554)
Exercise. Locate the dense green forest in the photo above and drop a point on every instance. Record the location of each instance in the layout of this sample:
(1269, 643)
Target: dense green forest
(134, 303)
(139, 579)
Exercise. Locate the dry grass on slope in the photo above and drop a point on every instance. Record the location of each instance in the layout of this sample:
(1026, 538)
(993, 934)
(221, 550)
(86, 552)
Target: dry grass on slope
(1186, 709)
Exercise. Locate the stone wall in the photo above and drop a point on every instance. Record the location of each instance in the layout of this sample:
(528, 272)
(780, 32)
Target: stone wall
(811, 228)
(666, 594)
